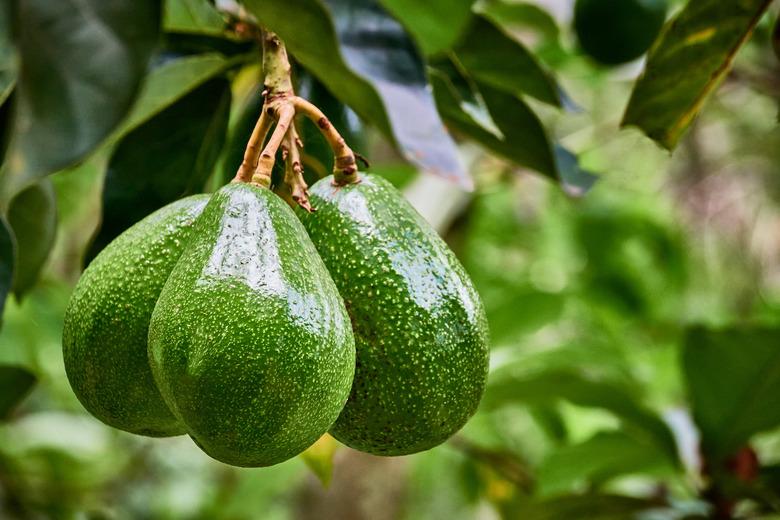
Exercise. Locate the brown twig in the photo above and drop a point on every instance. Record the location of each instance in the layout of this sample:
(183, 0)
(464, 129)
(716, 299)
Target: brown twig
(344, 167)
(253, 147)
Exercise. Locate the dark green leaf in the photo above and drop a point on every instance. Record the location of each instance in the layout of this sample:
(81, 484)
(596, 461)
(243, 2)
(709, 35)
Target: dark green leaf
(81, 67)
(7, 260)
(170, 156)
(435, 24)
(551, 386)
(692, 55)
(8, 59)
(33, 219)
(15, 384)
(170, 82)
(192, 16)
(591, 506)
(494, 58)
(523, 137)
(520, 15)
(596, 460)
(733, 379)
(370, 64)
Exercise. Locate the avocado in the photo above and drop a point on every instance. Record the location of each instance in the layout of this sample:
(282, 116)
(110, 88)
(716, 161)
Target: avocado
(107, 321)
(618, 31)
(250, 343)
(419, 325)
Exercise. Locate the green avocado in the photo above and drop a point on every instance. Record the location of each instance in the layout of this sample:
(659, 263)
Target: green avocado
(250, 343)
(419, 325)
(618, 31)
(107, 321)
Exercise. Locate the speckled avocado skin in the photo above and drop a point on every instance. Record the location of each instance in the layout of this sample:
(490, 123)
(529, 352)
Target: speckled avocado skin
(250, 343)
(419, 325)
(107, 322)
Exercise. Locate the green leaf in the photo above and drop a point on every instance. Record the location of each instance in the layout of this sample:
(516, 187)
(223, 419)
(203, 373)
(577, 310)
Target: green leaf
(435, 24)
(192, 16)
(523, 138)
(319, 458)
(82, 63)
(370, 64)
(590, 506)
(520, 15)
(169, 156)
(733, 378)
(7, 260)
(15, 384)
(596, 460)
(494, 58)
(32, 216)
(548, 387)
(8, 61)
(691, 56)
(170, 82)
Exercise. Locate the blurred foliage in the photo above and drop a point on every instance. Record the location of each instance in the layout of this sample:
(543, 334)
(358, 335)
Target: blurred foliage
(635, 363)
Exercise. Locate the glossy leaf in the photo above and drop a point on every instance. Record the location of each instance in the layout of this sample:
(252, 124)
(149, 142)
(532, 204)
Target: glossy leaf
(15, 383)
(32, 216)
(733, 378)
(523, 138)
(319, 458)
(170, 156)
(7, 261)
(371, 65)
(192, 16)
(549, 387)
(436, 24)
(596, 460)
(494, 58)
(82, 66)
(691, 56)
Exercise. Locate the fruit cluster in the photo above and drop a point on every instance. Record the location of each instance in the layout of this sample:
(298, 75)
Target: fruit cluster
(255, 331)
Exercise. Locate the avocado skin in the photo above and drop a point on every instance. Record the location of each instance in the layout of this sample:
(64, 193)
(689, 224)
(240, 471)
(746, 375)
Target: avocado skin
(250, 343)
(419, 325)
(618, 31)
(107, 320)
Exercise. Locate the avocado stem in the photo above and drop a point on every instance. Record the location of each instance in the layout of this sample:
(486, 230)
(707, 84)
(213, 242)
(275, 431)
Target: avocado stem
(253, 147)
(284, 113)
(281, 105)
(344, 166)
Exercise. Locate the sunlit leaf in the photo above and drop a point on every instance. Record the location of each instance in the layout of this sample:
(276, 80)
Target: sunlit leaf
(192, 16)
(733, 379)
(32, 216)
(15, 384)
(82, 63)
(692, 55)
(549, 387)
(319, 458)
(596, 460)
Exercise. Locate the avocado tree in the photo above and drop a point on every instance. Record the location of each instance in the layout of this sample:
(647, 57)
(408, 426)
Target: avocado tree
(226, 175)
